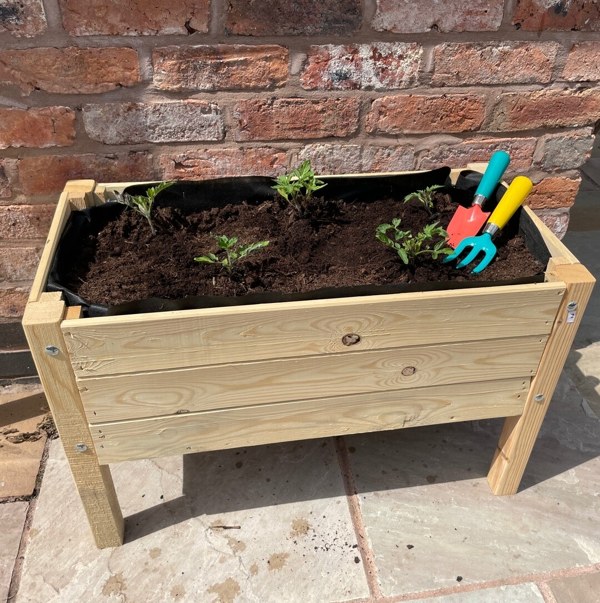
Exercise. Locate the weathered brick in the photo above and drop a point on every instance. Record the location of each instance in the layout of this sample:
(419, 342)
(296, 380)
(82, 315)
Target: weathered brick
(38, 128)
(12, 301)
(557, 15)
(23, 18)
(5, 185)
(136, 17)
(131, 123)
(70, 70)
(404, 16)
(215, 163)
(19, 263)
(418, 113)
(332, 158)
(493, 63)
(220, 67)
(458, 154)
(557, 220)
(295, 118)
(47, 175)
(25, 221)
(564, 151)
(553, 192)
(583, 63)
(301, 17)
(546, 109)
(388, 159)
(377, 66)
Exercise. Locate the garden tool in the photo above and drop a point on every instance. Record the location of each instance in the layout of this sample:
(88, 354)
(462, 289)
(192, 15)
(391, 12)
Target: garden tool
(467, 221)
(512, 199)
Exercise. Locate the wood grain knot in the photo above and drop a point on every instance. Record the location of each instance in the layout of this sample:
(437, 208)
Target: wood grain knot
(407, 371)
(350, 339)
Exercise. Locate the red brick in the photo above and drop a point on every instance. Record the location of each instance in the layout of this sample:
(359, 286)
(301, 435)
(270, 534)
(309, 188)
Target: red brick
(12, 301)
(406, 16)
(295, 118)
(458, 154)
(388, 159)
(332, 158)
(19, 263)
(25, 221)
(220, 67)
(377, 66)
(494, 63)
(215, 163)
(136, 17)
(560, 15)
(70, 70)
(23, 18)
(419, 113)
(583, 63)
(46, 175)
(564, 151)
(557, 220)
(132, 123)
(546, 109)
(37, 128)
(553, 193)
(301, 17)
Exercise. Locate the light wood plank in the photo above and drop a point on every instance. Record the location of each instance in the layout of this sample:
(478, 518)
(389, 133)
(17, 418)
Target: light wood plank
(128, 344)
(283, 422)
(139, 395)
(41, 324)
(519, 433)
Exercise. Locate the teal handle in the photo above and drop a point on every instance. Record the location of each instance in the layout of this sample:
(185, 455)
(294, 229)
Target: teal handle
(495, 169)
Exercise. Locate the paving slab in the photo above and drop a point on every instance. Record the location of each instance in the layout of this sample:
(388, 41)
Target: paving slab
(432, 521)
(520, 593)
(576, 589)
(22, 409)
(12, 520)
(268, 523)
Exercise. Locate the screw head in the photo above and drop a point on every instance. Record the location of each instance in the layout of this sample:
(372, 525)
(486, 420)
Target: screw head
(572, 305)
(52, 350)
(539, 398)
(81, 447)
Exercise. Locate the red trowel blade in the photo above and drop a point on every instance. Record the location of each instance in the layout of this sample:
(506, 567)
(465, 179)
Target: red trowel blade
(466, 222)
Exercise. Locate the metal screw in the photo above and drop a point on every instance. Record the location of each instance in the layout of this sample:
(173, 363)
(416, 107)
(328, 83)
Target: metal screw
(409, 370)
(539, 398)
(571, 306)
(350, 339)
(52, 350)
(81, 447)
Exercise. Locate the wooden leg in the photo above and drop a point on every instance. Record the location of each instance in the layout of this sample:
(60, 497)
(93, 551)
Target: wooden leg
(520, 433)
(41, 323)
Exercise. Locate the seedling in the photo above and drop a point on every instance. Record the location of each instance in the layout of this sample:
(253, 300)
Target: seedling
(407, 246)
(298, 186)
(231, 252)
(143, 203)
(424, 196)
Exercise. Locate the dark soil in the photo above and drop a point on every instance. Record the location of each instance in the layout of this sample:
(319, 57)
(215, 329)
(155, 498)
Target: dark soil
(336, 247)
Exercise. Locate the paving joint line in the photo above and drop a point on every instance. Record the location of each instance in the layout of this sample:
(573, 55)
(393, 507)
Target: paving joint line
(366, 553)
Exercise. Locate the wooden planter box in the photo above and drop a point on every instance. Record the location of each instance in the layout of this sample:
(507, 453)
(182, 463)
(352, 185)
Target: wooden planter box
(149, 385)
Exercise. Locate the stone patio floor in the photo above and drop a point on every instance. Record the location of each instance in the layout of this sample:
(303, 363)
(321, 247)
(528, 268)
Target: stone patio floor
(396, 516)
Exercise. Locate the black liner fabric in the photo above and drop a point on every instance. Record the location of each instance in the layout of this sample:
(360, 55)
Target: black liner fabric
(194, 196)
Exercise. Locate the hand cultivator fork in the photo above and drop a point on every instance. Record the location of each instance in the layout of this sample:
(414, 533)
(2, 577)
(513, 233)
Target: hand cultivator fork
(510, 202)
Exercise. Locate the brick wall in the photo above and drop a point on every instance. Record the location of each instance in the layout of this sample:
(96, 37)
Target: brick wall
(201, 88)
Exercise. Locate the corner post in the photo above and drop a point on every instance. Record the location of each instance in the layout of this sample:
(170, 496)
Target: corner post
(520, 433)
(41, 323)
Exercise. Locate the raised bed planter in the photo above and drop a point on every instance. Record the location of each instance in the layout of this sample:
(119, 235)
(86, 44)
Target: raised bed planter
(265, 373)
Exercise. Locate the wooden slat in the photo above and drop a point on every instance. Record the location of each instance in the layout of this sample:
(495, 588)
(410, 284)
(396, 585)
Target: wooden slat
(124, 344)
(209, 388)
(41, 324)
(283, 422)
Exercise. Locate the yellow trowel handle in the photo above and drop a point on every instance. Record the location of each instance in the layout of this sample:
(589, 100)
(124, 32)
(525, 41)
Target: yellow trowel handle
(511, 201)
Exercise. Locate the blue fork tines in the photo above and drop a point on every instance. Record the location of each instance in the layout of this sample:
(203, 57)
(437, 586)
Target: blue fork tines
(480, 244)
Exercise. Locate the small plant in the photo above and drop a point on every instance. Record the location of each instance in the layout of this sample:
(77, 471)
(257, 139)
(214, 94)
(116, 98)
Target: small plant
(298, 186)
(424, 196)
(407, 246)
(233, 252)
(143, 203)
